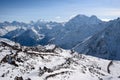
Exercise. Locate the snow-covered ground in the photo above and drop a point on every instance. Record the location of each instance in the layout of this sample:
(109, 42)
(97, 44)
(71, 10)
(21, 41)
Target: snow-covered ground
(52, 63)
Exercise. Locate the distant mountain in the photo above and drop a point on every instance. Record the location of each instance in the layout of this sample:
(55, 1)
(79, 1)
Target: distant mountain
(12, 34)
(105, 44)
(34, 33)
(82, 19)
(77, 29)
(7, 27)
(29, 37)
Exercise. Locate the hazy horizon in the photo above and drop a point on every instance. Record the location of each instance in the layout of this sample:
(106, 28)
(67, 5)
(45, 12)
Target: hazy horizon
(59, 11)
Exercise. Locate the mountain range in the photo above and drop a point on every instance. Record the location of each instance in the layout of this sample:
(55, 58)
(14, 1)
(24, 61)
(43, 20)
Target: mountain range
(86, 35)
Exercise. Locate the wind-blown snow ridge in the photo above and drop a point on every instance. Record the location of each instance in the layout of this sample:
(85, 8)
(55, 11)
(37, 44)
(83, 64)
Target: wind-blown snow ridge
(52, 63)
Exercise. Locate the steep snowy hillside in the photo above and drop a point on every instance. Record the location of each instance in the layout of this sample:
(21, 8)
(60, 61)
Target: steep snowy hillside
(105, 44)
(52, 63)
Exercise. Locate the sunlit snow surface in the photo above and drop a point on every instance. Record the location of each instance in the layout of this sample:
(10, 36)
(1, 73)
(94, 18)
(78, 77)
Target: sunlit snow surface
(62, 64)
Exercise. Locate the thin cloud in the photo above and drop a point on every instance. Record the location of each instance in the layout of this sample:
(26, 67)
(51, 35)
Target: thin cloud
(105, 19)
(57, 17)
(110, 12)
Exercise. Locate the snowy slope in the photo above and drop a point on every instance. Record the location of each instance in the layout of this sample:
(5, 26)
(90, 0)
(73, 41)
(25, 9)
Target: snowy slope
(105, 44)
(52, 63)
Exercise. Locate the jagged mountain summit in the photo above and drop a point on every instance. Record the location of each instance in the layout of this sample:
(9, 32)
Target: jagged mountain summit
(83, 19)
(51, 62)
(105, 44)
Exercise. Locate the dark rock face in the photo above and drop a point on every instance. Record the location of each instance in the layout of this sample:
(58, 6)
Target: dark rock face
(18, 78)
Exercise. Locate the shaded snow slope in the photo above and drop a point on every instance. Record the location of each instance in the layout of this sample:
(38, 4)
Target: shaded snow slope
(105, 44)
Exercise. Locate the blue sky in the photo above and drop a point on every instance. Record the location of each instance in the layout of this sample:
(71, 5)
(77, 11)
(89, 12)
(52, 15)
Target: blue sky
(57, 10)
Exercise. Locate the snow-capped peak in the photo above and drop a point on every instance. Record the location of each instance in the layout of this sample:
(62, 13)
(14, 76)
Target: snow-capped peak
(85, 19)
